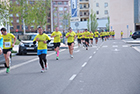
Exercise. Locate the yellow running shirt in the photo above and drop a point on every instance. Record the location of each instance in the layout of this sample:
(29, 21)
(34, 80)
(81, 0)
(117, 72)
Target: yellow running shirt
(71, 37)
(87, 34)
(91, 35)
(58, 35)
(7, 40)
(42, 38)
(79, 35)
(121, 33)
(96, 34)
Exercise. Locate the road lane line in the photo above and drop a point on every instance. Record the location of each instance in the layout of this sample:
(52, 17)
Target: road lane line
(125, 46)
(72, 77)
(77, 51)
(84, 64)
(105, 46)
(115, 46)
(94, 52)
(90, 57)
(27, 62)
(137, 49)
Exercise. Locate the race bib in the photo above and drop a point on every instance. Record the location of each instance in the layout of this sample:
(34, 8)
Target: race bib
(7, 44)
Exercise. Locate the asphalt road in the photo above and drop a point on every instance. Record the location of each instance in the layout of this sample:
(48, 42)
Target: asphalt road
(111, 67)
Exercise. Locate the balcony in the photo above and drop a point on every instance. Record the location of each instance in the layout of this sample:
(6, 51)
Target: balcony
(82, 8)
(84, 16)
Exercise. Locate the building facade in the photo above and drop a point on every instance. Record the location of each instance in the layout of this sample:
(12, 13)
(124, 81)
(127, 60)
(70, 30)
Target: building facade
(100, 7)
(122, 17)
(61, 8)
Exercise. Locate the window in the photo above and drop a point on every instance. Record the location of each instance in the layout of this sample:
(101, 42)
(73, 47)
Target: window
(11, 27)
(85, 19)
(11, 15)
(17, 15)
(80, 13)
(48, 20)
(106, 5)
(97, 4)
(65, 3)
(59, 3)
(81, 19)
(84, 5)
(54, 3)
(17, 21)
(106, 11)
(60, 8)
(85, 13)
(60, 14)
(97, 12)
(65, 9)
(18, 26)
(26, 27)
(81, 6)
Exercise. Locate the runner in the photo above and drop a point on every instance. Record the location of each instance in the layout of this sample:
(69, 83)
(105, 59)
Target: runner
(42, 40)
(71, 36)
(113, 34)
(86, 34)
(108, 34)
(1, 44)
(83, 39)
(121, 34)
(102, 35)
(91, 37)
(57, 35)
(79, 37)
(7, 46)
(96, 35)
(131, 33)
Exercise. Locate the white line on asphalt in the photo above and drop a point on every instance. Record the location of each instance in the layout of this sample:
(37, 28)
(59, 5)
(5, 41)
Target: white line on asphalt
(115, 46)
(94, 46)
(75, 47)
(24, 63)
(94, 52)
(104, 46)
(77, 51)
(84, 64)
(90, 57)
(125, 46)
(97, 49)
(72, 77)
(137, 49)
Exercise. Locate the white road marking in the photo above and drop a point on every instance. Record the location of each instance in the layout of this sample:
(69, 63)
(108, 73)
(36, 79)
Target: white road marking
(94, 52)
(75, 47)
(84, 64)
(94, 46)
(116, 50)
(115, 46)
(104, 46)
(77, 51)
(97, 49)
(72, 77)
(90, 57)
(137, 49)
(125, 46)
(27, 62)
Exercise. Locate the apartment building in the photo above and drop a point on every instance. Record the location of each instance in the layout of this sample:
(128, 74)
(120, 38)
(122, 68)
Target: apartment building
(60, 8)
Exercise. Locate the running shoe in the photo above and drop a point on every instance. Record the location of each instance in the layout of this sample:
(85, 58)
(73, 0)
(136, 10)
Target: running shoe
(42, 71)
(8, 70)
(71, 56)
(56, 58)
(86, 48)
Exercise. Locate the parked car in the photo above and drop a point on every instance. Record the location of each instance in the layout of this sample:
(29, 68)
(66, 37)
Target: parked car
(2, 60)
(136, 35)
(26, 45)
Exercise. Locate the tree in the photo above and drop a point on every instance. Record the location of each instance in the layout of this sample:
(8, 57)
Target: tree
(92, 23)
(108, 24)
(66, 20)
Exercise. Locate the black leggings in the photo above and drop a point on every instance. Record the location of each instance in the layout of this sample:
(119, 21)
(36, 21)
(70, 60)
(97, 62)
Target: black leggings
(42, 58)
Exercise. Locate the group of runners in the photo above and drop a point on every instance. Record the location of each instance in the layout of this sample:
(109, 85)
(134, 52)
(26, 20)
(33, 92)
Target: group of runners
(85, 38)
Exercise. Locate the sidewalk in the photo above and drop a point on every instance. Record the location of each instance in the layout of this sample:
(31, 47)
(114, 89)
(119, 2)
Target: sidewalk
(131, 41)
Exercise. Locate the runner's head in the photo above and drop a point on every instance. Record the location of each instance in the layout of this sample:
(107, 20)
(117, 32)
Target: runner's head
(40, 30)
(70, 29)
(56, 29)
(86, 30)
(77, 31)
(3, 31)
(95, 30)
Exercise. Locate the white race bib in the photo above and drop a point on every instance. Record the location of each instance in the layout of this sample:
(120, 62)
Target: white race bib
(7, 44)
